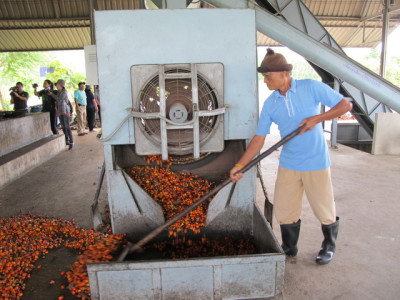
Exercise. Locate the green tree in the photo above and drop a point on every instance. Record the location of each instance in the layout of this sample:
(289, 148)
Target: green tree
(372, 62)
(25, 67)
(18, 66)
(62, 72)
(393, 71)
(303, 70)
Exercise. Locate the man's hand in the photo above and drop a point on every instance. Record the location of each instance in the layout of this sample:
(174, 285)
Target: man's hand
(253, 149)
(339, 109)
(236, 177)
(309, 124)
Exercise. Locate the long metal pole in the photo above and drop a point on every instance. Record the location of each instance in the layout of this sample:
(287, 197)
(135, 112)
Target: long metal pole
(130, 247)
(334, 124)
(385, 28)
(324, 56)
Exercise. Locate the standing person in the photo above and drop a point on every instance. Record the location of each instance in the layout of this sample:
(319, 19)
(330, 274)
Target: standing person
(48, 103)
(97, 98)
(91, 109)
(304, 163)
(80, 107)
(63, 111)
(20, 98)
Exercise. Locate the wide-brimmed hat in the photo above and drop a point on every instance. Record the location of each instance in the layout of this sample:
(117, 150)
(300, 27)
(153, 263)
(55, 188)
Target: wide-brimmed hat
(274, 62)
(88, 87)
(61, 82)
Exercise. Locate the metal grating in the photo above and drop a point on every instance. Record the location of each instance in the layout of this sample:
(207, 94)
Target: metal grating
(178, 90)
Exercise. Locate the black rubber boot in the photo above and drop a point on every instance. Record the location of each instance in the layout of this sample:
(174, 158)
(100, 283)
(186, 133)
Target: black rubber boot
(290, 236)
(328, 247)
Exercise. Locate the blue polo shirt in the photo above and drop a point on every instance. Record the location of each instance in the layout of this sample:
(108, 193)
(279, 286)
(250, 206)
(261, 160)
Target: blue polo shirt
(309, 151)
(80, 96)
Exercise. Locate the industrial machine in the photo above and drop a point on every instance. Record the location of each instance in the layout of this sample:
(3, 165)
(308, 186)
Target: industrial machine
(188, 102)
(171, 87)
(181, 83)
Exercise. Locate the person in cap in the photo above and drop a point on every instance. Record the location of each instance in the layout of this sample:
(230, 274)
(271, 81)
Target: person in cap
(63, 110)
(91, 108)
(304, 164)
(80, 107)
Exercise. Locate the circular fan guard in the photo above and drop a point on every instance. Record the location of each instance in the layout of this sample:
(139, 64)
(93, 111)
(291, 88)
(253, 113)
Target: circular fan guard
(180, 141)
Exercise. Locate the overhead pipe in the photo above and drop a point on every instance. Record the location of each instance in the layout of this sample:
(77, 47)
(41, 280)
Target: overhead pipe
(320, 54)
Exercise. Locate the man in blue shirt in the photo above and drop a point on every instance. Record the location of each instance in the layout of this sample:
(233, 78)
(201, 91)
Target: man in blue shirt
(304, 164)
(80, 106)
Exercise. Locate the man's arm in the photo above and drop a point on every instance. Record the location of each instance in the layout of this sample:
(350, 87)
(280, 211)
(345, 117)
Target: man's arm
(76, 101)
(253, 149)
(95, 105)
(76, 104)
(58, 109)
(21, 97)
(97, 99)
(339, 109)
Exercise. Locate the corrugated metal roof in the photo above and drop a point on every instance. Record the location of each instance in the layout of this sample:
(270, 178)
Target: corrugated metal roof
(29, 25)
(65, 24)
(352, 23)
(356, 23)
(45, 39)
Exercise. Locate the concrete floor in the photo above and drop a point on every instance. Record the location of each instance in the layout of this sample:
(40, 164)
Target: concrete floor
(366, 263)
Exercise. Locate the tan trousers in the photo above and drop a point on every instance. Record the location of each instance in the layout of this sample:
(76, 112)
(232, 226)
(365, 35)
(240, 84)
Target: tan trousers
(81, 118)
(289, 190)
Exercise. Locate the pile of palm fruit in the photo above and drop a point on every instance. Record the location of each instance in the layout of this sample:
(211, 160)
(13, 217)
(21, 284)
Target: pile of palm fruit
(174, 192)
(24, 239)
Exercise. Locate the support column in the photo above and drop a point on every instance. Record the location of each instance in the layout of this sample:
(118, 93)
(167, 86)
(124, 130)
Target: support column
(385, 27)
(92, 33)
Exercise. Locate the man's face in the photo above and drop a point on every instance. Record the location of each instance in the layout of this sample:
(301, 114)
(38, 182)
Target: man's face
(81, 86)
(273, 80)
(20, 88)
